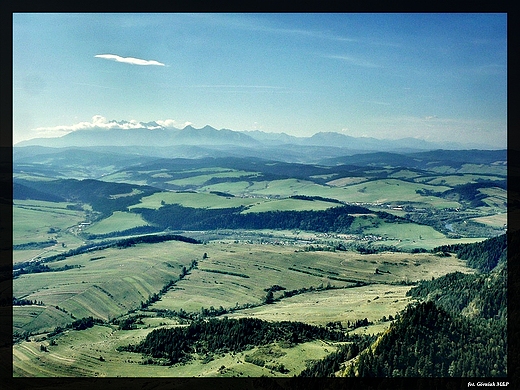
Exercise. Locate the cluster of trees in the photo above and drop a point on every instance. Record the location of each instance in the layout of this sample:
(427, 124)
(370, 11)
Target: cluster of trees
(24, 302)
(85, 323)
(312, 198)
(129, 323)
(80, 324)
(359, 323)
(39, 267)
(177, 217)
(223, 194)
(218, 271)
(153, 239)
(227, 335)
(35, 245)
(332, 363)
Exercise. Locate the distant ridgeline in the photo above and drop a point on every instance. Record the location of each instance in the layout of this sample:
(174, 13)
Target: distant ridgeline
(457, 329)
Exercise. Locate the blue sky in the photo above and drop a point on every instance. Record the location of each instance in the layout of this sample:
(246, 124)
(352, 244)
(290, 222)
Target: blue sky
(439, 77)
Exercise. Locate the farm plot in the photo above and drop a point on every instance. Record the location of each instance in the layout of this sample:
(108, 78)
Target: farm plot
(345, 181)
(109, 282)
(373, 191)
(453, 180)
(199, 180)
(496, 197)
(35, 221)
(394, 190)
(234, 274)
(33, 318)
(344, 305)
(495, 221)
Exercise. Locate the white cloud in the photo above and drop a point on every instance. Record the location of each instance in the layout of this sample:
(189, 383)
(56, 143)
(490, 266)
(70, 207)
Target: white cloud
(172, 124)
(129, 60)
(99, 122)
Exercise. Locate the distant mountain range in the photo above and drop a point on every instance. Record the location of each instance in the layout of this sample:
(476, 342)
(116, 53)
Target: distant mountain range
(155, 140)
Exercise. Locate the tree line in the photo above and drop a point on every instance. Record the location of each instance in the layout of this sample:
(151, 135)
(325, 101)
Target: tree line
(176, 217)
(227, 335)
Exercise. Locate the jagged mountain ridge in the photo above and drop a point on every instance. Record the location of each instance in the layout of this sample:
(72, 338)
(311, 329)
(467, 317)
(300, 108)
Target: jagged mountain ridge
(152, 134)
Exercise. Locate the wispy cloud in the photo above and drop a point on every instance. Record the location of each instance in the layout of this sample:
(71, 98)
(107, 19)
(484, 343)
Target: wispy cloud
(129, 60)
(248, 23)
(377, 102)
(354, 61)
(237, 86)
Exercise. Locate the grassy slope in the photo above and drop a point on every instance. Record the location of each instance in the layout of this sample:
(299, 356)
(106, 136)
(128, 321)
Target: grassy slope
(109, 286)
(118, 221)
(33, 219)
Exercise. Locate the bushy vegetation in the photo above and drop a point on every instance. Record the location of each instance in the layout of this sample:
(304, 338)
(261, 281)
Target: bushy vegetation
(35, 245)
(38, 268)
(227, 335)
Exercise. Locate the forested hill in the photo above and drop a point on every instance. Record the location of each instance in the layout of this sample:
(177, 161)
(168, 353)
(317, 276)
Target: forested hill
(105, 197)
(458, 328)
(483, 256)
(335, 219)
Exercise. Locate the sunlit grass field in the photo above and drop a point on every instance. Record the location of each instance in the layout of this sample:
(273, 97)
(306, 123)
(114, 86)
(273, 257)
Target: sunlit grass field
(118, 221)
(190, 199)
(32, 220)
(108, 282)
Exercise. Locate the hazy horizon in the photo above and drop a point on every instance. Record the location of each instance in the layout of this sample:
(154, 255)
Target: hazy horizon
(435, 77)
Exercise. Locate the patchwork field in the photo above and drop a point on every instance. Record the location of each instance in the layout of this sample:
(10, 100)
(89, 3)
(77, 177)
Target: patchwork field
(106, 283)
